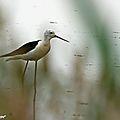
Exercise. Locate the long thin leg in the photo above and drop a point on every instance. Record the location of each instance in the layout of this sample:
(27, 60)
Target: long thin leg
(35, 91)
(24, 73)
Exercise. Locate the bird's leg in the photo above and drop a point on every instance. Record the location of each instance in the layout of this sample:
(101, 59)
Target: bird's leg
(24, 73)
(35, 91)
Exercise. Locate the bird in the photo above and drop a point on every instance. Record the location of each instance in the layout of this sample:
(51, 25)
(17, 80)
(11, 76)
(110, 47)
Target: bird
(33, 51)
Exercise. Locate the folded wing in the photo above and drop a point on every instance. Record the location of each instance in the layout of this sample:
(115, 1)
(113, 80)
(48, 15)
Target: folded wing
(23, 49)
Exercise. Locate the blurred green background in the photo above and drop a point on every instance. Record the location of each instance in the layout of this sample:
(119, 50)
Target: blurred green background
(76, 81)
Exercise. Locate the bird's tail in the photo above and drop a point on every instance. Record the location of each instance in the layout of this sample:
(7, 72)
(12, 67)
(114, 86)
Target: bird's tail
(11, 56)
(14, 58)
(13, 53)
(6, 55)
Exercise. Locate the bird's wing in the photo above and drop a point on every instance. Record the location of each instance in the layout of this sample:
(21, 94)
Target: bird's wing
(23, 49)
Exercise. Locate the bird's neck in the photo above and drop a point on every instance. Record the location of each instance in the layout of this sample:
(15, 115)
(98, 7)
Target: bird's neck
(46, 41)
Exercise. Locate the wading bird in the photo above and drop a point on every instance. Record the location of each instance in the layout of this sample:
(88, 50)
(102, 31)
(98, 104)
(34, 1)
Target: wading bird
(33, 51)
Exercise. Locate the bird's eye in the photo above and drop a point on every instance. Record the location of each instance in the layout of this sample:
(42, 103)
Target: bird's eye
(51, 32)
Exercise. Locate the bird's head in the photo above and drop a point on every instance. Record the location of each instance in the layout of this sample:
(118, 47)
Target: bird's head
(49, 34)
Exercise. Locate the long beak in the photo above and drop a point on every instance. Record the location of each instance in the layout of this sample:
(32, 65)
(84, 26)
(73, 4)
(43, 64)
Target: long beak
(61, 38)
